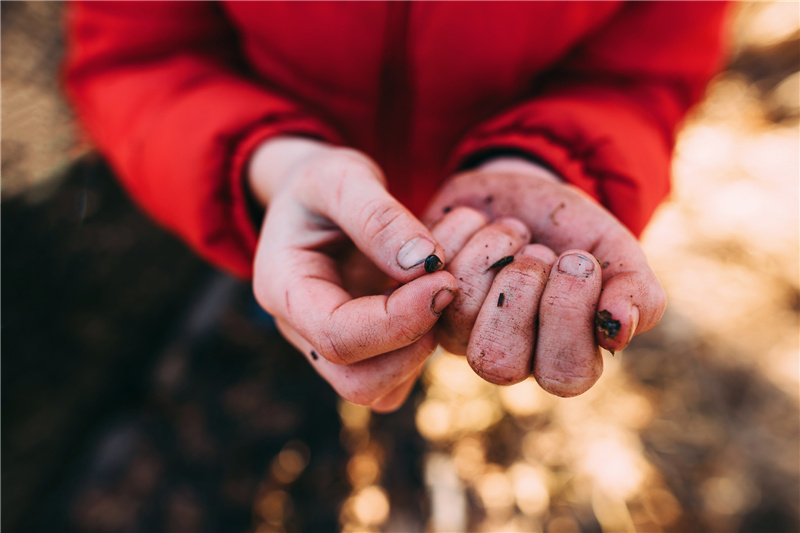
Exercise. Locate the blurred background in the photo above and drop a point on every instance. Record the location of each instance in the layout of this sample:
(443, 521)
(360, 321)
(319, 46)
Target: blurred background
(143, 391)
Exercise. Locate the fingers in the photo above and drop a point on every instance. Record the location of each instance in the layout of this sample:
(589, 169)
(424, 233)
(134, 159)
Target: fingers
(502, 341)
(566, 218)
(456, 228)
(631, 303)
(567, 361)
(473, 269)
(344, 330)
(383, 381)
(352, 194)
(297, 278)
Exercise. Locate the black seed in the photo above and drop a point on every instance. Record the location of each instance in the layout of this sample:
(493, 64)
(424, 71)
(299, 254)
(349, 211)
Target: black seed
(432, 264)
(500, 263)
(604, 322)
(314, 355)
(501, 299)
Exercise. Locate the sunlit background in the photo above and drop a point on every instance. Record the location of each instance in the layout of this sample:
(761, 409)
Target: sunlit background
(695, 427)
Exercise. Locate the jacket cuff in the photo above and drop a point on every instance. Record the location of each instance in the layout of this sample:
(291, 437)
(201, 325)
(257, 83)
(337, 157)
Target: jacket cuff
(537, 149)
(594, 139)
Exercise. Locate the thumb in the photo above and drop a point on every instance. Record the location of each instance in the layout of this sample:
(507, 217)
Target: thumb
(380, 226)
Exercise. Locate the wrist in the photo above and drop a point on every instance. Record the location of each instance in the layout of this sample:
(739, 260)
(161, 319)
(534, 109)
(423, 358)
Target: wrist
(519, 165)
(273, 162)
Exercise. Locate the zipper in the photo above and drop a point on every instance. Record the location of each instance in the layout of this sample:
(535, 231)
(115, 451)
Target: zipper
(393, 117)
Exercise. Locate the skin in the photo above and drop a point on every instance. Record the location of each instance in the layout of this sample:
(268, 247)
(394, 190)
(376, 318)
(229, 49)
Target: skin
(546, 325)
(325, 205)
(328, 268)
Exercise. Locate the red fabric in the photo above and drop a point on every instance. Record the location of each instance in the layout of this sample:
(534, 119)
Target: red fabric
(178, 94)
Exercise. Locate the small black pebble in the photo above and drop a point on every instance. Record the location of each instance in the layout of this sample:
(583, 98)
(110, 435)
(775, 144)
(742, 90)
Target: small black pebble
(500, 263)
(432, 264)
(501, 299)
(314, 355)
(605, 322)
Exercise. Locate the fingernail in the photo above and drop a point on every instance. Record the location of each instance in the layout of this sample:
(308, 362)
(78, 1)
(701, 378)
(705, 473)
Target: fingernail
(414, 252)
(634, 323)
(441, 300)
(576, 265)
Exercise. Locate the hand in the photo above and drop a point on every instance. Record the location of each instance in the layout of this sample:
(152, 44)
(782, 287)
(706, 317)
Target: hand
(323, 200)
(585, 282)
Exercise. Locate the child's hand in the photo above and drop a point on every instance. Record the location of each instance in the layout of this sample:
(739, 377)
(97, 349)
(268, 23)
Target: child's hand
(543, 313)
(319, 199)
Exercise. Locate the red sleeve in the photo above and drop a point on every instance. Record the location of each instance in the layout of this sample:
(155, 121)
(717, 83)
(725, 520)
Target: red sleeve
(155, 85)
(606, 118)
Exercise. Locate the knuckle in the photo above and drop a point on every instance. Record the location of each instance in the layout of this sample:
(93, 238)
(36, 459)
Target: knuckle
(331, 347)
(409, 332)
(509, 227)
(469, 281)
(525, 272)
(377, 218)
(468, 216)
(567, 303)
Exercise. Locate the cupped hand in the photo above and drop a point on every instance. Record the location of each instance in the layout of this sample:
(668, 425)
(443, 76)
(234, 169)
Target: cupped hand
(540, 308)
(368, 344)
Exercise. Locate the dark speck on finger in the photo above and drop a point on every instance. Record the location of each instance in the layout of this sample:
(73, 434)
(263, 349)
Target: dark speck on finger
(432, 264)
(314, 355)
(501, 263)
(606, 324)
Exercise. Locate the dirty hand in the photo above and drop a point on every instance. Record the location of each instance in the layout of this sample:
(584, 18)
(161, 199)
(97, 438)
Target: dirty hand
(321, 200)
(584, 282)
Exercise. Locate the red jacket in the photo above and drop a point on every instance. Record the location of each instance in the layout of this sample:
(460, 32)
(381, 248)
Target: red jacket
(178, 94)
